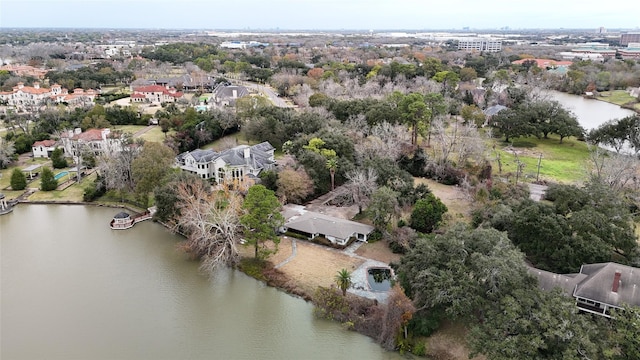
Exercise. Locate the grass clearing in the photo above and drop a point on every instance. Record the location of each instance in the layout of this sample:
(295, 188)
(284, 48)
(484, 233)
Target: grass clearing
(131, 129)
(156, 134)
(565, 163)
(618, 97)
(228, 141)
(73, 193)
(314, 265)
(458, 204)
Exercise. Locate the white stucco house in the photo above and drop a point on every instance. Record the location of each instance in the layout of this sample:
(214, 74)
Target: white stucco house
(237, 163)
(97, 141)
(44, 148)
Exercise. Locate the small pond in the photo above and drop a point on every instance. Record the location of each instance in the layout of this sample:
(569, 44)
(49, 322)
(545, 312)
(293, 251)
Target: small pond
(379, 279)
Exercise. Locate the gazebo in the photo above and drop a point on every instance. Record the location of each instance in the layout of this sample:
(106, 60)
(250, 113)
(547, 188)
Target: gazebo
(31, 169)
(4, 207)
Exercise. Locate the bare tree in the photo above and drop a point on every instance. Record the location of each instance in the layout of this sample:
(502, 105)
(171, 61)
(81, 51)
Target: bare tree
(456, 138)
(613, 169)
(7, 149)
(211, 222)
(115, 162)
(383, 141)
(360, 186)
(294, 185)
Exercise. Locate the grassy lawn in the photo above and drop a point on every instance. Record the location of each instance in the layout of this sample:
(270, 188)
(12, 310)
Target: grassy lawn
(131, 129)
(565, 163)
(5, 174)
(618, 97)
(228, 141)
(156, 134)
(72, 193)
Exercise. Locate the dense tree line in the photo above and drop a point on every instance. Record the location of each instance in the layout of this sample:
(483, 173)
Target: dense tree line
(537, 118)
(179, 53)
(93, 76)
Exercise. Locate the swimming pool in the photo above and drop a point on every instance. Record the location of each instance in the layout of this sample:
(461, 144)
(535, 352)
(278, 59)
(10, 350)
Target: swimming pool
(379, 279)
(60, 175)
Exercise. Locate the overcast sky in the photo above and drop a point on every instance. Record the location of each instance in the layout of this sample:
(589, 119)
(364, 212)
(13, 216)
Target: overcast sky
(320, 14)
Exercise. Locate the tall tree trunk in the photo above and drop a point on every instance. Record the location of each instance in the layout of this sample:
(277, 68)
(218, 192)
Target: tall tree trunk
(333, 175)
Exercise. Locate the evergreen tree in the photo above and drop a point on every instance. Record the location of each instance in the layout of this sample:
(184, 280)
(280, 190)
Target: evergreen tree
(48, 181)
(57, 157)
(18, 180)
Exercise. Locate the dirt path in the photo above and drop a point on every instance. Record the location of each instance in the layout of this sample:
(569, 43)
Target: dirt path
(142, 131)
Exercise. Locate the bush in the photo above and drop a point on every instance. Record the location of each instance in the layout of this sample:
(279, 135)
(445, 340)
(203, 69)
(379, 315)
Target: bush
(446, 174)
(18, 180)
(48, 181)
(402, 240)
(427, 214)
(94, 190)
(425, 323)
(419, 349)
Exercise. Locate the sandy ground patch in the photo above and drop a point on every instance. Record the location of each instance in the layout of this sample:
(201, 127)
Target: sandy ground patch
(378, 251)
(284, 250)
(458, 204)
(315, 265)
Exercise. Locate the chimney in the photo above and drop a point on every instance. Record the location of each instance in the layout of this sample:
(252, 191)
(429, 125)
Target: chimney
(235, 93)
(247, 153)
(36, 85)
(20, 85)
(616, 282)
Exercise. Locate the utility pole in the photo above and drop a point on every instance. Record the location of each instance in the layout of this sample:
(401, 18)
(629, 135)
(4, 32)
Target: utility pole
(539, 162)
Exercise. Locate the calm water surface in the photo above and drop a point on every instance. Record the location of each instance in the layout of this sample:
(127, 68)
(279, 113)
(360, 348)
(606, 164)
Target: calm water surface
(590, 112)
(71, 288)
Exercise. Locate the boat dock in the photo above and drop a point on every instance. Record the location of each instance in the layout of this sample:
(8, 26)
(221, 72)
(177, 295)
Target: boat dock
(123, 221)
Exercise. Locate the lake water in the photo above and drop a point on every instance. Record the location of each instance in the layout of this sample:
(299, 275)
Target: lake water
(71, 288)
(590, 113)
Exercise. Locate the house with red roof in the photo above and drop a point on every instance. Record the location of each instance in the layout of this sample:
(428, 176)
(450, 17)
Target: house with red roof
(545, 63)
(22, 96)
(155, 94)
(43, 148)
(98, 141)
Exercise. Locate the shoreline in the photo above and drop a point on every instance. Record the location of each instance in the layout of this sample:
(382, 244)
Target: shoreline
(268, 274)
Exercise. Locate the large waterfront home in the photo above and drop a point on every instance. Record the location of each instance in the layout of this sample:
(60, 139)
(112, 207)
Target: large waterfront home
(237, 163)
(98, 141)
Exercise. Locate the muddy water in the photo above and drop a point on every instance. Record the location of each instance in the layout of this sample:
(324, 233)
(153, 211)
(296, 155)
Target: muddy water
(71, 288)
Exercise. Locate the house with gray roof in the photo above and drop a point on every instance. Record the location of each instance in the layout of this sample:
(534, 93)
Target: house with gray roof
(597, 288)
(227, 95)
(492, 110)
(338, 231)
(238, 163)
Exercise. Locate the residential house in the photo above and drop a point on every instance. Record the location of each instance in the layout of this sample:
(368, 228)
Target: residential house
(43, 148)
(97, 141)
(238, 163)
(338, 231)
(25, 71)
(22, 96)
(227, 95)
(155, 94)
(597, 288)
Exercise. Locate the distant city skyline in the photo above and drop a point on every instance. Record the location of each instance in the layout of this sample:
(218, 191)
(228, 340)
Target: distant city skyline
(318, 14)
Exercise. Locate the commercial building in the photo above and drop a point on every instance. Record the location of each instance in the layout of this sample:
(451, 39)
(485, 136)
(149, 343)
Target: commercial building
(632, 37)
(480, 44)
